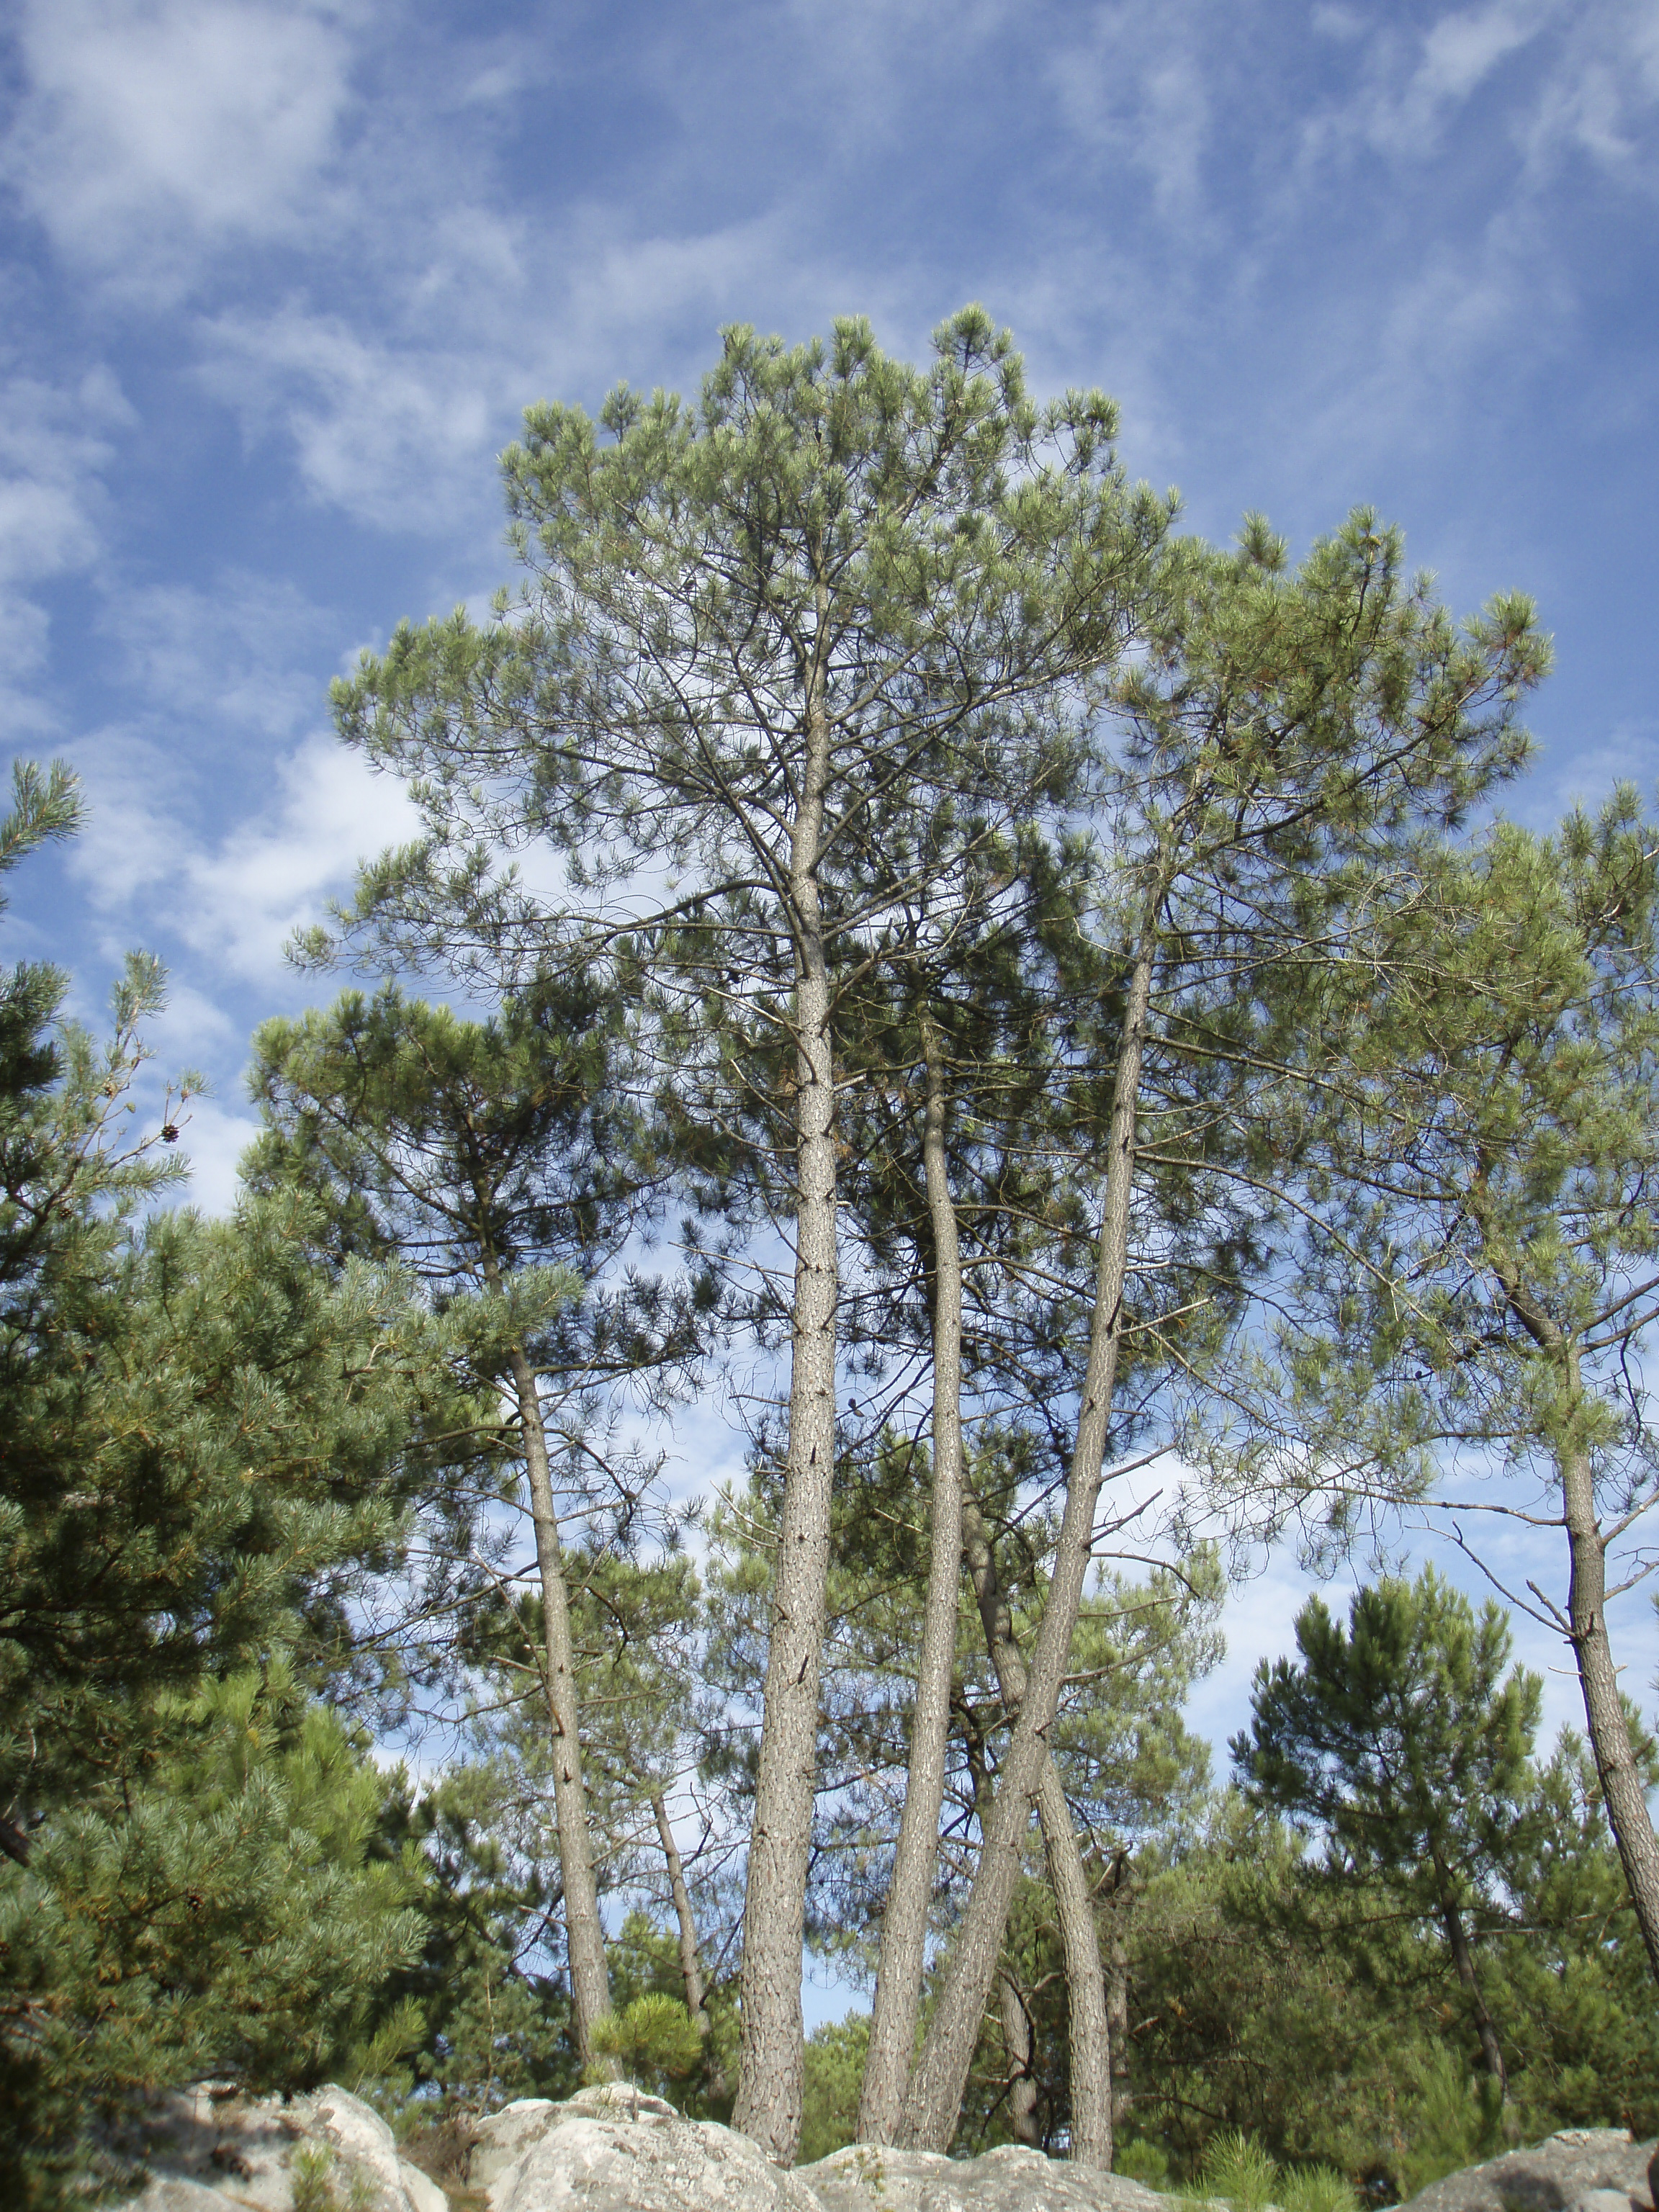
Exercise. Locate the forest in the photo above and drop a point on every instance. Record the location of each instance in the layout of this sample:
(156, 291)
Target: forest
(1053, 1028)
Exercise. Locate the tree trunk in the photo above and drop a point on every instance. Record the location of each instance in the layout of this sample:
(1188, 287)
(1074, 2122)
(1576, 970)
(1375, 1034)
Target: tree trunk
(772, 2065)
(904, 1923)
(1085, 1985)
(590, 1988)
(1463, 1959)
(1117, 1994)
(1609, 1732)
(691, 1967)
(1598, 1679)
(691, 1964)
(1017, 2050)
(935, 2101)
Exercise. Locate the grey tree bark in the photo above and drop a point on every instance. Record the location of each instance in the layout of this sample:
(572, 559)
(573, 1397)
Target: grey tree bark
(934, 2099)
(771, 2070)
(1117, 1989)
(590, 1988)
(1017, 2048)
(1598, 1679)
(904, 1923)
(691, 1965)
(1457, 1938)
(1085, 1981)
(1586, 1621)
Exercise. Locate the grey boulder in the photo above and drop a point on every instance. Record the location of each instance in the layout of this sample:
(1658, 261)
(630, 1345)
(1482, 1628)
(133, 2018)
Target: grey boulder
(209, 2151)
(1552, 2176)
(1011, 2179)
(615, 2149)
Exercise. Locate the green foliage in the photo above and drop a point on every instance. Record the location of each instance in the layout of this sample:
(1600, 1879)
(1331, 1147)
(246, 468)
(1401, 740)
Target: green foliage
(315, 2189)
(1454, 2118)
(206, 1440)
(835, 2073)
(1239, 2170)
(1317, 2189)
(645, 1959)
(1241, 2173)
(497, 2019)
(651, 2039)
(228, 1906)
(1140, 2160)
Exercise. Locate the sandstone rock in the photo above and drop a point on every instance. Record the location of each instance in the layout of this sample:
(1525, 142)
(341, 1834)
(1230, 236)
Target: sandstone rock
(613, 2149)
(210, 2151)
(1550, 2177)
(1012, 2178)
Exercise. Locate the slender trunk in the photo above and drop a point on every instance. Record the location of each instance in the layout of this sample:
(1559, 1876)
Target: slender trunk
(691, 1964)
(1117, 1994)
(1609, 1732)
(771, 2064)
(904, 1923)
(1451, 1920)
(941, 2074)
(1598, 1679)
(590, 1988)
(1017, 2047)
(1085, 1984)
(691, 1967)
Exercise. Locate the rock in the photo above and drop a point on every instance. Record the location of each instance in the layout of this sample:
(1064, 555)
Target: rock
(613, 2149)
(1603, 2200)
(209, 2150)
(184, 2196)
(1552, 2176)
(1011, 2179)
(421, 2191)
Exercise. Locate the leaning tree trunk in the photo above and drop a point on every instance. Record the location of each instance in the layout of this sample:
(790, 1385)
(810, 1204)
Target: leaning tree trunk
(590, 1988)
(691, 1962)
(1587, 1628)
(1609, 1731)
(691, 1965)
(934, 2100)
(1085, 1982)
(1016, 2049)
(1457, 1941)
(771, 2068)
(904, 1923)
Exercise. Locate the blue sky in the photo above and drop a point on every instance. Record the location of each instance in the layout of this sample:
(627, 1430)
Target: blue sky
(277, 280)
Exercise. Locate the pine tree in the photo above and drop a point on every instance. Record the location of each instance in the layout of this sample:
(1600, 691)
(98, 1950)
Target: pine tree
(207, 1442)
(1404, 1743)
(497, 1158)
(1480, 1240)
(763, 639)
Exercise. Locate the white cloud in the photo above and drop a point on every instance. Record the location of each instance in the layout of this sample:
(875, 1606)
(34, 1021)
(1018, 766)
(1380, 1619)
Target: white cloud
(54, 446)
(1603, 99)
(151, 129)
(214, 1140)
(234, 657)
(390, 434)
(235, 898)
(398, 428)
(243, 899)
(1135, 90)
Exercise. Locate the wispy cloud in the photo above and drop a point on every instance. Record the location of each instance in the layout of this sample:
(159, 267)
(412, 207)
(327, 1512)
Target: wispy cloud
(55, 445)
(231, 896)
(1135, 88)
(152, 134)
